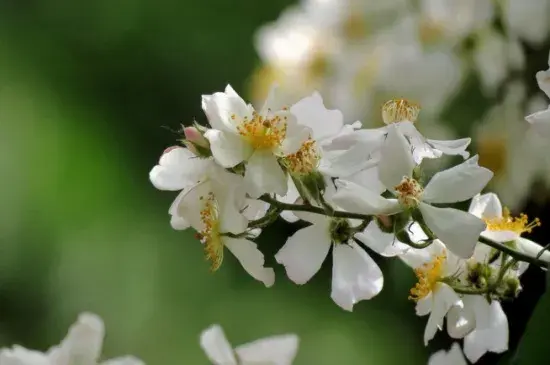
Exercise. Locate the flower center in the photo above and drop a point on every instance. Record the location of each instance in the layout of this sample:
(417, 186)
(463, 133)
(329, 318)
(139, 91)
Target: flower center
(263, 132)
(428, 276)
(210, 234)
(409, 192)
(340, 230)
(430, 31)
(399, 110)
(493, 154)
(303, 161)
(518, 225)
(354, 27)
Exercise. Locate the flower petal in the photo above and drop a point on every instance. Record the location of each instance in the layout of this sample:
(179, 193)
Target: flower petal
(368, 178)
(357, 199)
(491, 339)
(264, 175)
(296, 134)
(311, 112)
(500, 236)
(304, 252)
(225, 110)
(453, 357)
(228, 149)
(532, 248)
(486, 206)
(177, 169)
(384, 244)
(396, 161)
(251, 259)
(215, 345)
(355, 276)
(457, 229)
(452, 147)
(540, 122)
(460, 322)
(458, 183)
(444, 298)
(275, 350)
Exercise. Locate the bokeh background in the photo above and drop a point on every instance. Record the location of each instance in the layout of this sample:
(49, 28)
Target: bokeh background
(90, 95)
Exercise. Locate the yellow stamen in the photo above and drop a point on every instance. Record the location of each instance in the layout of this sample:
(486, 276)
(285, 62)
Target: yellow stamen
(409, 192)
(210, 234)
(303, 161)
(428, 276)
(399, 110)
(263, 132)
(518, 225)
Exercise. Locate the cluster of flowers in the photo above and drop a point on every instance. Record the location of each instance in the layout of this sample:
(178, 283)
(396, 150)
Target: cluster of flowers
(361, 191)
(357, 52)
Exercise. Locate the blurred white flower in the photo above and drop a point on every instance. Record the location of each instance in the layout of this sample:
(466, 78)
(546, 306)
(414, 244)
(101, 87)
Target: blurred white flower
(432, 295)
(275, 350)
(540, 120)
(528, 19)
(82, 346)
(452, 357)
(240, 134)
(459, 230)
(483, 326)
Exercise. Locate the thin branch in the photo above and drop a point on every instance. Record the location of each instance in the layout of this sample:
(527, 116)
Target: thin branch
(520, 256)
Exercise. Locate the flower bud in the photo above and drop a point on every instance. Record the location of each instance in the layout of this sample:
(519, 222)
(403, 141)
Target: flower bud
(479, 274)
(511, 287)
(193, 135)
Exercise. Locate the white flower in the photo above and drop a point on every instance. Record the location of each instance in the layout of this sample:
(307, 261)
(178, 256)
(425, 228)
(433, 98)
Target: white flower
(540, 120)
(483, 326)
(179, 169)
(453, 357)
(275, 350)
(459, 230)
(240, 134)
(529, 19)
(432, 265)
(503, 227)
(355, 275)
(82, 345)
(213, 208)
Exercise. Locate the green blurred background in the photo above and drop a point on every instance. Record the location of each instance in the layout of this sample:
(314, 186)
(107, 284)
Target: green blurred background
(89, 94)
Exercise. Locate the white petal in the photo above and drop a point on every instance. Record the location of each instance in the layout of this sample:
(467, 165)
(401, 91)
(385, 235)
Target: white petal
(500, 236)
(460, 322)
(189, 204)
(532, 248)
(311, 112)
(543, 80)
(355, 276)
(275, 350)
(18, 355)
(296, 134)
(369, 179)
(217, 348)
(457, 229)
(384, 244)
(251, 259)
(540, 122)
(177, 222)
(396, 161)
(486, 206)
(291, 196)
(424, 306)
(228, 149)
(481, 309)
(274, 101)
(125, 360)
(357, 199)
(177, 169)
(458, 183)
(221, 107)
(304, 252)
(264, 175)
(83, 343)
(452, 147)
(453, 357)
(444, 298)
(491, 339)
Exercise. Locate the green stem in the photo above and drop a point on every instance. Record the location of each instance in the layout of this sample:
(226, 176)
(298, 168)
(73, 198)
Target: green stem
(311, 209)
(520, 256)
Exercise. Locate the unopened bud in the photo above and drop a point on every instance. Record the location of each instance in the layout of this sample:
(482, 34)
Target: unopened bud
(512, 287)
(193, 135)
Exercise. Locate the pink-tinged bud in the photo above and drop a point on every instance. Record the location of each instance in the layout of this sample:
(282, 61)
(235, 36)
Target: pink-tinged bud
(193, 135)
(191, 147)
(385, 220)
(170, 149)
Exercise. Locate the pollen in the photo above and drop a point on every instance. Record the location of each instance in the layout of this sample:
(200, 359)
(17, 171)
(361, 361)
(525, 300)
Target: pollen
(303, 161)
(428, 276)
(263, 132)
(519, 225)
(399, 110)
(409, 192)
(210, 234)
